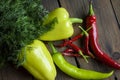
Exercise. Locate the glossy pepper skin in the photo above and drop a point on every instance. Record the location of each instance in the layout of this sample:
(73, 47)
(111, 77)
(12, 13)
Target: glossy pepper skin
(93, 35)
(73, 71)
(38, 61)
(63, 27)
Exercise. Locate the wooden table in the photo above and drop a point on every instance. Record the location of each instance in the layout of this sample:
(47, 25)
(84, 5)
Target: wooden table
(108, 21)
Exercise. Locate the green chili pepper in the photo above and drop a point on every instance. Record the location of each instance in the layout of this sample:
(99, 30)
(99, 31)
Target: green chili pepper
(38, 61)
(73, 71)
(62, 27)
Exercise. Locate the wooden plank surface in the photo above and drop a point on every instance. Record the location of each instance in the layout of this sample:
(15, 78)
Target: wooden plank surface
(115, 5)
(107, 30)
(116, 9)
(108, 21)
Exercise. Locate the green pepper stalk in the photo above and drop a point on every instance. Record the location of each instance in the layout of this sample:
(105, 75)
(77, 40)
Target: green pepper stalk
(62, 29)
(38, 61)
(73, 71)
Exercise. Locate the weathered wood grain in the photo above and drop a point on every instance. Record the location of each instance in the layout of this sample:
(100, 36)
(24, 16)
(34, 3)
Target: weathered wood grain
(116, 9)
(11, 73)
(116, 5)
(108, 32)
(107, 29)
(50, 4)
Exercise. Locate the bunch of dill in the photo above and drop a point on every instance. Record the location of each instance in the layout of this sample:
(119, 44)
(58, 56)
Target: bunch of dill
(20, 23)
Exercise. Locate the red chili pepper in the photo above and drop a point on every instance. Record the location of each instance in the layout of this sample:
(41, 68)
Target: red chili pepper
(74, 48)
(69, 50)
(99, 54)
(66, 42)
(71, 54)
(86, 49)
(78, 36)
(86, 43)
(79, 50)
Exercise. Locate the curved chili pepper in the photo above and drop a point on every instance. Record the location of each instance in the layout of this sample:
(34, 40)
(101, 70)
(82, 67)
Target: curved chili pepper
(99, 54)
(66, 42)
(79, 50)
(73, 71)
(74, 48)
(70, 52)
(86, 42)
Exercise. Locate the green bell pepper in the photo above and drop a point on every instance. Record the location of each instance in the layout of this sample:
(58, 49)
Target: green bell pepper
(63, 26)
(38, 61)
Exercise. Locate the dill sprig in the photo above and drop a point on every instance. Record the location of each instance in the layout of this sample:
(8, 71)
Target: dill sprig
(20, 23)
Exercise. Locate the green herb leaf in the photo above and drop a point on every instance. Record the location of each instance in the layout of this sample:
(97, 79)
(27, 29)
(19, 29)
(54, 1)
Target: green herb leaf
(21, 21)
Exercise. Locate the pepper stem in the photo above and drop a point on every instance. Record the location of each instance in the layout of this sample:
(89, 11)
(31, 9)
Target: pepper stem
(76, 20)
(84, 57)
(53, 48)
(91, 11)
(85, 32)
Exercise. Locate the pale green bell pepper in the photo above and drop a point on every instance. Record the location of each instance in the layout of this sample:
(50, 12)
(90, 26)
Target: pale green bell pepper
(38, 61)
(63, 27)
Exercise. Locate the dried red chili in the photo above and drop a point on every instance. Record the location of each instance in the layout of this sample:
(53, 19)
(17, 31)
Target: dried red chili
(74, 47)
(79, 50)
(67, 42)
(99, 54)
(70, 52)
(86, 42)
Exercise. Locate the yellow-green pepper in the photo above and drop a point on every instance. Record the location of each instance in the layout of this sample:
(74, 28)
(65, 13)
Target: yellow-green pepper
(63, 28)
(38, 61)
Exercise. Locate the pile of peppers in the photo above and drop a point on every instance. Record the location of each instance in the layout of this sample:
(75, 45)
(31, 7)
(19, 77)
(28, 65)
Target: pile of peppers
(90, 42)
(45, 69)
(36, 57)
(91, 46)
